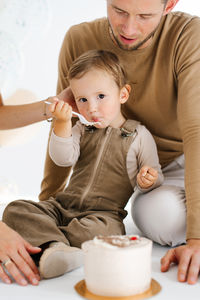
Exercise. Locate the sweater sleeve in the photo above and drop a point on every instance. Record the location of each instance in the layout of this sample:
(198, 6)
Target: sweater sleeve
(143, 151)
(64, 61)
(187, 69)
(1, 100)
(65, 151)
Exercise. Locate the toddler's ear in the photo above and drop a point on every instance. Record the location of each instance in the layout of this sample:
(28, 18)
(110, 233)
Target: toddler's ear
(124, 93)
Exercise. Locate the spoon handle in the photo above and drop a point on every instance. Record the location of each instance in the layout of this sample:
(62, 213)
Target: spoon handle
(47, 102)
(75, 113)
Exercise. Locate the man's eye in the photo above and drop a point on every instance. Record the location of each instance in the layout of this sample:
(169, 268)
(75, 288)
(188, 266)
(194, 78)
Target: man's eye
(145, 16)
(82, 99)
(101, 96)
(120, 12)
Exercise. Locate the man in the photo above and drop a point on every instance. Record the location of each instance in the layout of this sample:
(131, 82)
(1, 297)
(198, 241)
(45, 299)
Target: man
(160, 51)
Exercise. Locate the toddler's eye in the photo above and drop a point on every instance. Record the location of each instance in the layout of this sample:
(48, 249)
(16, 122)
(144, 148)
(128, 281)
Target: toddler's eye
(83, 100)
(101, 96)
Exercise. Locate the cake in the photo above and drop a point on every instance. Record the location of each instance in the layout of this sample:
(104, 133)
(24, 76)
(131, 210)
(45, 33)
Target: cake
(117, 266)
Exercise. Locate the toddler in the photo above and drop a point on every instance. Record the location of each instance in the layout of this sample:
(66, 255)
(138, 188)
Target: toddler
(109, 159)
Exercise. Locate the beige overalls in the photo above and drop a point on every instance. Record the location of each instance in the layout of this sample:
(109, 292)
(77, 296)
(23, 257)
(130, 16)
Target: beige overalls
(94, 201)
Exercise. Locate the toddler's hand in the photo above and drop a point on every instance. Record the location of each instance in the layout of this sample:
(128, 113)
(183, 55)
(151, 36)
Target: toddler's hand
(61, 110)
(146, 177)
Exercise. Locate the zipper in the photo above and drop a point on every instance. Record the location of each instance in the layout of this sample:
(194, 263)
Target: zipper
(87, 189)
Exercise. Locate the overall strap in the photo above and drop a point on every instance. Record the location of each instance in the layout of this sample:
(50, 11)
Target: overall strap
(129, 127)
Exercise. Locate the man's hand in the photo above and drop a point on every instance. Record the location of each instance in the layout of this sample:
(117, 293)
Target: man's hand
(146, 177)
(15, 258)
(188, 259)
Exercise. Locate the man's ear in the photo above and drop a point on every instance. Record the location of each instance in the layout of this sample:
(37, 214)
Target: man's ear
(169, 6)
(124, 93)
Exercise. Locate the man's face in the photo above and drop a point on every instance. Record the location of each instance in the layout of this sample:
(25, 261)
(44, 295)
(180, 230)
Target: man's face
(133, 22)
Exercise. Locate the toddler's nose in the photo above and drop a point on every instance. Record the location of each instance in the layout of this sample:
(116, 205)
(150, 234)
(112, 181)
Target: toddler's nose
(92, 107)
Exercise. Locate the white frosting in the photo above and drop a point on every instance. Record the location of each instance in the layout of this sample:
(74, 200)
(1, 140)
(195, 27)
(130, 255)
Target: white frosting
(119, 241)
(117, 271)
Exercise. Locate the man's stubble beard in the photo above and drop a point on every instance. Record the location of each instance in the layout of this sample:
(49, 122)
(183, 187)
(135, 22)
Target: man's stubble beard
(135, 47)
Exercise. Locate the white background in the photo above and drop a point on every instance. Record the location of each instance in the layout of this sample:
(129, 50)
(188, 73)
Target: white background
(21, 164)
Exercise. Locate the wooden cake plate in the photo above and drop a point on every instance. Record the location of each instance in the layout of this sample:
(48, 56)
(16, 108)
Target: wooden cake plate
(82, 290)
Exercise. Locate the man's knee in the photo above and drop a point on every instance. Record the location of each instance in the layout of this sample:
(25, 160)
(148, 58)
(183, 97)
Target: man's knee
(161, 215)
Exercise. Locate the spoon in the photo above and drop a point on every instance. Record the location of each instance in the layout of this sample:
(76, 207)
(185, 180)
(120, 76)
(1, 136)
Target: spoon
(81, 118)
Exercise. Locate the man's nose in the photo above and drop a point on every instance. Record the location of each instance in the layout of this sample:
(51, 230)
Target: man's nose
(129, 28)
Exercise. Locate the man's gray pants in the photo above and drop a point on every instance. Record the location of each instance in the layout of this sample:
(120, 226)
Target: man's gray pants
(161, 213)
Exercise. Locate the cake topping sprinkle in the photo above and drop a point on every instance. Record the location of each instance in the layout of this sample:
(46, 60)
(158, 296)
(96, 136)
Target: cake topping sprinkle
(119, 240)
(133, 238)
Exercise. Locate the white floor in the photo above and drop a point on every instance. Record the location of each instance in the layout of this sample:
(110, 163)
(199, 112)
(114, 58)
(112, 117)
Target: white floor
(62, 288)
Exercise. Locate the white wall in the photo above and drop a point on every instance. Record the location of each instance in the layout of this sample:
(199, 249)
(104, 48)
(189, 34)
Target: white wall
(23, 164)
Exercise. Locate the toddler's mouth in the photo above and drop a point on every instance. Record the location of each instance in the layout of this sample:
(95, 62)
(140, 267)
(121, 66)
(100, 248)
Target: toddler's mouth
(95, 119)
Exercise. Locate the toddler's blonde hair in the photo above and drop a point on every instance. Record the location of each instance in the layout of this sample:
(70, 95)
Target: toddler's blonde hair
(99, 59)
